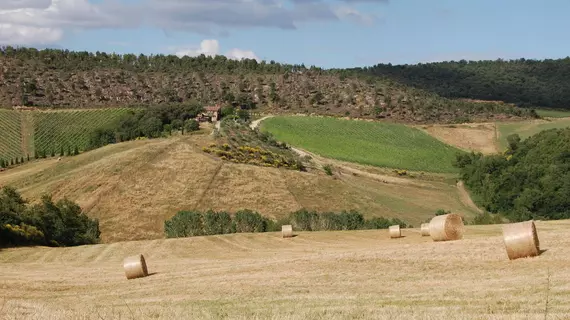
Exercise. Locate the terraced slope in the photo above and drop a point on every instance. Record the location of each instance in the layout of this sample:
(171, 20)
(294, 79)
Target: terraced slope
(319, 275)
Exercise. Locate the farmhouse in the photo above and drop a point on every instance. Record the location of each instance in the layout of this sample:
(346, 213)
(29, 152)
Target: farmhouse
(211, 113)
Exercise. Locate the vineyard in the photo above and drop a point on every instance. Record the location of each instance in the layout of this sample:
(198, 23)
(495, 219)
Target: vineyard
(372, 143)
(70, 129)
(29, 133)
(10, 134)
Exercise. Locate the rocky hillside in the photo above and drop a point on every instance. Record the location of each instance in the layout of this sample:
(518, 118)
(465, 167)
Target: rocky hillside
(63, 79)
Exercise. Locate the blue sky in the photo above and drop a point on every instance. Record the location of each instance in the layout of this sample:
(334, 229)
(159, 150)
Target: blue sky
(341, 33)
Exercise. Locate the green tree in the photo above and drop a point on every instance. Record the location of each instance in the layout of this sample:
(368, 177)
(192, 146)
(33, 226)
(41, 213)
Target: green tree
(191, 125)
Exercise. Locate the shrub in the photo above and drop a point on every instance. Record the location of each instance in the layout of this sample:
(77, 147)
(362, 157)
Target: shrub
(191, 125)
(305, 220)
(351, 220)
(328, 169)
(487, 218)
(63, 222)
(440, 212)
(249, 221)
(184, 224)
(218, 223)
(21, 235)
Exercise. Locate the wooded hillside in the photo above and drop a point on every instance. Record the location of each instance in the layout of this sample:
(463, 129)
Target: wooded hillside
(65, 79)
(526, 83)
(530, 181)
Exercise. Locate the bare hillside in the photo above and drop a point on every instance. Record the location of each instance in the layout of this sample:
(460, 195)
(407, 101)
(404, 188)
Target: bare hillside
(133, 187)
(316, 275)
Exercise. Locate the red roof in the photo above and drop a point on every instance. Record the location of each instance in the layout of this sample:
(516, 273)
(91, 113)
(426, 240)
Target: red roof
(212, 108)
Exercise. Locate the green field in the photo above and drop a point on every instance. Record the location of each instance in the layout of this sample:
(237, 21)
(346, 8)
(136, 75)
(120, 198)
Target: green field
(373, 143)
(10, 134)
(553, 113)
(526, 129)
(54, 130)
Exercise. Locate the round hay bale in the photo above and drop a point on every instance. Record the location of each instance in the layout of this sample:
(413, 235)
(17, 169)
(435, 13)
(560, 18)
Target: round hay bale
(135, 267)
(446, 227)
(287, 231)
(521, 240)
(395, 231)
(425, 229)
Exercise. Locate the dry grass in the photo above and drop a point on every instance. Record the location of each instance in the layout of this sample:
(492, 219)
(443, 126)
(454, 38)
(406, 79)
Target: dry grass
(478, 137)
(133, 187)
(319, 275)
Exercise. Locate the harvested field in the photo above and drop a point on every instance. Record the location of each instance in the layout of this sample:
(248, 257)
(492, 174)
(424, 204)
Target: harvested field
(316, 275)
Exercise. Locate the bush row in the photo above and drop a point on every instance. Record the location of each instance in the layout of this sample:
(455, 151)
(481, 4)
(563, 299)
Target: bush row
(60, 223)
(195, 223)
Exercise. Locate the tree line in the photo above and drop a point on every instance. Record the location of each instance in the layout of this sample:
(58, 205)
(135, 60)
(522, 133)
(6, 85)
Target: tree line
(196, 223)
(524, 82)
(50, 223)
(531, 180)
(83, 61)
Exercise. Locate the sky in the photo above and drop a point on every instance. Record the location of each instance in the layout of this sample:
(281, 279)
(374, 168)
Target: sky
(324, 33)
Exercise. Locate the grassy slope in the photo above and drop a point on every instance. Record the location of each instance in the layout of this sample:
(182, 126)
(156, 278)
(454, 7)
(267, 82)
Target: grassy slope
(526, 129)
(133, 187)
(374, 143)
(319, 275)
(10, 134)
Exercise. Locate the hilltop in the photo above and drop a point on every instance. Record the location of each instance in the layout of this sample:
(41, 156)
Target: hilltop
(316, 275)
(524, 82)
(133, 187)
(64, 79)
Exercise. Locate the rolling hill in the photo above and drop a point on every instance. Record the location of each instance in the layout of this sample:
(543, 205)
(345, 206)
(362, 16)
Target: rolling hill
(525, 82)
(316, 275)
(67, 79)
(132, 187)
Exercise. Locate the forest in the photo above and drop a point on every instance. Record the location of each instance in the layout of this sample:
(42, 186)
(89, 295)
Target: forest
(524, 82)
(531, 180)
(52, 78)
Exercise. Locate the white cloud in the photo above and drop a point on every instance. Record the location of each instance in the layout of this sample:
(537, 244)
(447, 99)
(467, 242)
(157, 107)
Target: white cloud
(213, 17)
(207, 47)
(239, 54)
(26, 35)
(211, 47)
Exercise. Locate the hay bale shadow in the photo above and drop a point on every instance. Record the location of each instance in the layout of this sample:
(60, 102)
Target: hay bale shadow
(152, 274)
(541, 251)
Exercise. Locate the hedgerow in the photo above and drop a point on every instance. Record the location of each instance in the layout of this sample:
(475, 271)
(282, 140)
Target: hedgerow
(195, 223)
